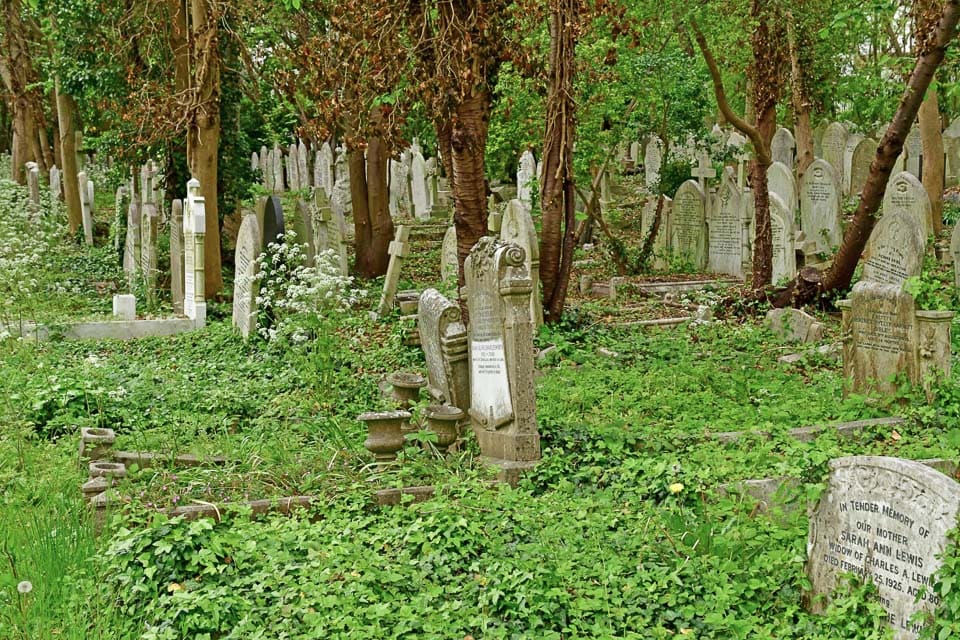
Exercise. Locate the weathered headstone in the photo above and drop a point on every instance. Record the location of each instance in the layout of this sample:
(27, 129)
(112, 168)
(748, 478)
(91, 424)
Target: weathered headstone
(254, 161)
(818, 132)
(860, 163)
(399, 249)
(652, 162)
(951, 147)
(894, 252)
(399, 186)
(780, 181)
(526, 173)
(131, 248)
(448, 255)
(33, 184)
(86, 208)
(194, 231)
(443, 338)
(905, 193)
(955, 252)
(302, 162)
(688, 224)
(913, 148)
(274, 224)
(56, 188)
(292, 165)
(341, 200)
(302, 224)
(782, 147)
(820, 206)
(249, 247)
(418, 185)
(794, 325)
(503, 407)
(781, 227)
(853, 140)
(176, 256)
(885, 520)
(518, 228)
(266, 168)
(834, 147)
(330, 230)
(325, 164)
(276, 158)
(149, 226)
(725, 242)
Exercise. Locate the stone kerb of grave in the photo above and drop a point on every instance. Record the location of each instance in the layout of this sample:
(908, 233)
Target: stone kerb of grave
(688, 233)
(249, 246)
(905, 193)
(518, 228)
(502, 400)
(443, 338)
(820, 206)
(886, 520)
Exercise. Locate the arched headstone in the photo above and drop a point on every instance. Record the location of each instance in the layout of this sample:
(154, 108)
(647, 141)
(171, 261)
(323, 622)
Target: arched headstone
(273, 221)
(688, 225)
(820, 206)
(249, 247)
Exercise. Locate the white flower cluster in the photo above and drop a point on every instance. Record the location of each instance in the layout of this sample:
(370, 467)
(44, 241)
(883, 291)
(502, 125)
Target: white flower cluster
(292, 295)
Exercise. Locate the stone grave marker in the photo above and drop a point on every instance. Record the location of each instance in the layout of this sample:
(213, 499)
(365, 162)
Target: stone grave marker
(292, 168)
(249, 247)
(820, 206)
(781, 227)
(274, 224)
(443, 338)
(266, 168)
(176, 256)
(886, 520)
(276, 158)
(86, 209)
(449, 264)
(634, 153)
(121, 201)
(739, 144)
(131, 247)
(906, 193)
(503, 407)
(794, 325)
(818, 132)
(724, 240)
(56, 187)
(194, 231)
(149, 227)
(330, 230)
(951, 147)
(399, 171)
(418, 185)
(518, 228)
(526, 172)
(341, 199)
(325, 162)
(780, 181)
(254, 161)
(853, 140)
(688, 224)
(894, 252)
(302, 172)
(834, 147)
(653, 162)
(399, 249)
(782, 147)
(703, 171)
(433, 187)
(913, 148)
(303, 228)
(860, 163)
(955, 252)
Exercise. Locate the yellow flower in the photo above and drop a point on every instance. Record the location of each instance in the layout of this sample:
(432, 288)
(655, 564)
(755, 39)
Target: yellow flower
(675, 488)
(173, 586)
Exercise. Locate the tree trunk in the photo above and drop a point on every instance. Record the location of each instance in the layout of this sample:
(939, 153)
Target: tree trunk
(66, 110)
(176, 147)
(557, 190)
(802, 130)
(378, 206)
(808, 286)
(204, 134)
(468, 142)
(933, 159)
(444, 135)
(363, 230)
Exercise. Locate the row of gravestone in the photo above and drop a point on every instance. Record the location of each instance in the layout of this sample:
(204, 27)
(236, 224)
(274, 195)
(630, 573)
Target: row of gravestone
(84, 185)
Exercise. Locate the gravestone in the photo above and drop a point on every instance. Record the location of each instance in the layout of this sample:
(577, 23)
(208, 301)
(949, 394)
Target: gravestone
(526, 172)
(400, 186)
(176, 256)
(951, 147)
(688, 225)
(885, 520)
(33, 184)
(194, 231)
(703, 171)
(254, 162)
(418, 185)
(820, 206)
(266, 168)
(653, 162)
(149, 227)
(518, 228)
(341, 200)
(853, 140)
(131, 248)
(302, 172)
(818, 132)
(399, 249)
(781, 228)
(834, 147)
(448, 255)
(276, 157)
(905, 193)
(503, 407)
(325, 162)
(330, 231)
(274, 224)
(741, 155)
(955, 252)
(302, 224)
(293, 168)
(794, 325)
(894, 252)
(634, 153)
(249, 247)
(860, 163)
(913, 152)
(782, 147)
(443, 338)
(780, 181)
(56, 188)
(724, 240)
(86, 209)
(433, 187)
(121, 201)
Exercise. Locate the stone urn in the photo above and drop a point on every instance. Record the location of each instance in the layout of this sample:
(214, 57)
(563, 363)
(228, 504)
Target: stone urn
(384, 434)
(444, 420)
(95, 443)
(405, 390)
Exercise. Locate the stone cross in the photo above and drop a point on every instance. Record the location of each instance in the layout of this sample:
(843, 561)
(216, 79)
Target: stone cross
(194, 231)
(399, 249)
(704, 170)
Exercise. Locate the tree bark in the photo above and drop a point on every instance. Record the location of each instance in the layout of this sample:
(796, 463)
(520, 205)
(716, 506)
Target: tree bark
(16, 72)
(468, 142)
(66, 110)
(933, 159)
(808, 286)
(803, 132)
(204, 134)
(557, 190)
(363, 230)
(378, 206)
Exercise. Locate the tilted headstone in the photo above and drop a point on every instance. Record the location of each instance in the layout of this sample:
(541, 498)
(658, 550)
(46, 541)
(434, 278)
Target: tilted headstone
(503, 406)
(782, 147)
(518, 228)
(418, 186)
(794, 325)
(834, 147)
(176, 256)
(906, 193)
(399, 171)
(330, 230)
(860, 163)
(194, 232)
(249, 247)
(449, 263)
(652, 162)
(913, 150)
(885, 520)
(853, 140)
(724, 240)
(780, 181)
(820, 206)
(149, 226)
(526, 173)
(443, 338)
(399, 249)
(274, 223)
(688, 224)
(302, 224)
(341, 199)
(782, 233)
(86, 209)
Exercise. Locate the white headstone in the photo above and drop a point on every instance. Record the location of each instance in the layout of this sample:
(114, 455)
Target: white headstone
(86, 208)
(906, 194)
(418, 186)
(448, 255)
(526, 172)
(853, 140)
(725, 242)
(782, 147)
(913, 148)
(194, 231)
(780, 181)
(652, 162)
(249, 243)
(820, 206)
(834, 146)
(302, 163)
(781, 227)
(518, 228)
(688, 225)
